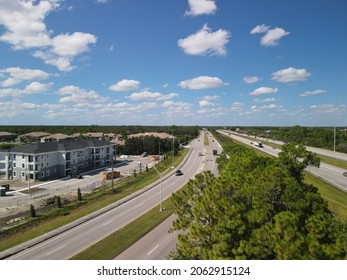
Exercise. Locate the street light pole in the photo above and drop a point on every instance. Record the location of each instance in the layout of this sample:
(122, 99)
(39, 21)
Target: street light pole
(161, 189)
(335, 129)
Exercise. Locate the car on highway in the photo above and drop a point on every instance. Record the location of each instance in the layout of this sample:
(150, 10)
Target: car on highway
(179, 172)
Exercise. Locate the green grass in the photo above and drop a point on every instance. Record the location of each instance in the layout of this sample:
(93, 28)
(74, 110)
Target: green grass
(53, 219)
(114, 244)
(335, 197)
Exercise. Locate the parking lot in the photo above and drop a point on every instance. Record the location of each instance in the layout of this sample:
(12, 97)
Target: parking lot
(22, 194)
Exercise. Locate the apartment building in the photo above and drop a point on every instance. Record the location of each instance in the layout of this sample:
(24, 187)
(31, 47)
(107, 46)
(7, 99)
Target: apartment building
(44, 161)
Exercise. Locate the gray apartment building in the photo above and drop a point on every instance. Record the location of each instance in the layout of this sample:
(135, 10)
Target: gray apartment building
(44, 161)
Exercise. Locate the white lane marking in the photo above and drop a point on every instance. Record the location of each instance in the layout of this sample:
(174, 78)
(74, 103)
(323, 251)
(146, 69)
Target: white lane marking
(105, 224)
(50, 253)
(139, 205)
(151, 251)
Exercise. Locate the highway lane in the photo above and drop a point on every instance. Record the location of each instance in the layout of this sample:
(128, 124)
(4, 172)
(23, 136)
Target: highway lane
(70, 242)
(155, 245)
(159, 242)
(329, 173)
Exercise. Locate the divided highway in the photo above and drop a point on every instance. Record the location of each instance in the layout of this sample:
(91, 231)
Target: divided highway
(67, 243)
(327, 172)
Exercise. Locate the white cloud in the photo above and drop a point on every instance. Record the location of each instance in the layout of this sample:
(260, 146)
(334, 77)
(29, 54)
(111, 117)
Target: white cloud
(151, 95)
(67, 45)
(315, 92)
(16, 75)
(205, 103)
(271, 37)
(290, 75)
(202, 82)
(264, 90)
(211, 97)
(251, 79)
(36, 87)
(15, 108)
(24, 25)
(62, 63)
(10, 92)
(266, 100)
(205, 42)
(101, 1)
(260, 29)
(182, 109)
(270, 107)
(80, 96)
(125, 85)
(201, 7)
(328, 109)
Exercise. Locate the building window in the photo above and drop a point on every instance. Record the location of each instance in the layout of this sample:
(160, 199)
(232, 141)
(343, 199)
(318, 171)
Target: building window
(47, 164)
(23, 175)
(14, 156)
(42, 174)
(23, 156)
(14, 174)
(23, 165)
(14, 164)
(47, 173)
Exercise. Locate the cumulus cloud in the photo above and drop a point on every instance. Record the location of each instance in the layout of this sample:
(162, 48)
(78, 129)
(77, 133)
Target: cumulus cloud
(201, 7)
(205, 42)
(151, 95)
(70, 45)
(16, 107)
(315, 92)
(211, 97)
(205, 103)
(271, 37)
(125, 85)
(36, 87)
(16, 75)
(263, 90)
(202, 82)
(80, 96)
(260, 29)
(251, 79)
(25, 28)
(290, 75)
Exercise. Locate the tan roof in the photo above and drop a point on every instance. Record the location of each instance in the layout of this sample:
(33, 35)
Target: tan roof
(36, 134)
(162, 135)
(59, 136)
(94, 134)
(5, 133)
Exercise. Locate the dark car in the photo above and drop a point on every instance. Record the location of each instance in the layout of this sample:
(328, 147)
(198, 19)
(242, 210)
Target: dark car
(79, 176)
(179, 172)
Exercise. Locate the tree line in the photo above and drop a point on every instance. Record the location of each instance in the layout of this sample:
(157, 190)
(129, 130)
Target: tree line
(257, 208)
(320, 137)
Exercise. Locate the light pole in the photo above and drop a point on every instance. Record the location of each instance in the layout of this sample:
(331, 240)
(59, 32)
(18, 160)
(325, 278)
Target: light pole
(335, 129)
(161, 189)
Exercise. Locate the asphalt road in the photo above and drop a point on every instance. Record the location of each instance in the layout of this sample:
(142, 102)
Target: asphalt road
(157, 244)
(327, 172)
(71, 241)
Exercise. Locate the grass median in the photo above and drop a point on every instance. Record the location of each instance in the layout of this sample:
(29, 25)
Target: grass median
(114, 244)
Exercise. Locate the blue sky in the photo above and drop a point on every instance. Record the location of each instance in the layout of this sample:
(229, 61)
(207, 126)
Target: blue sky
(182, 62)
